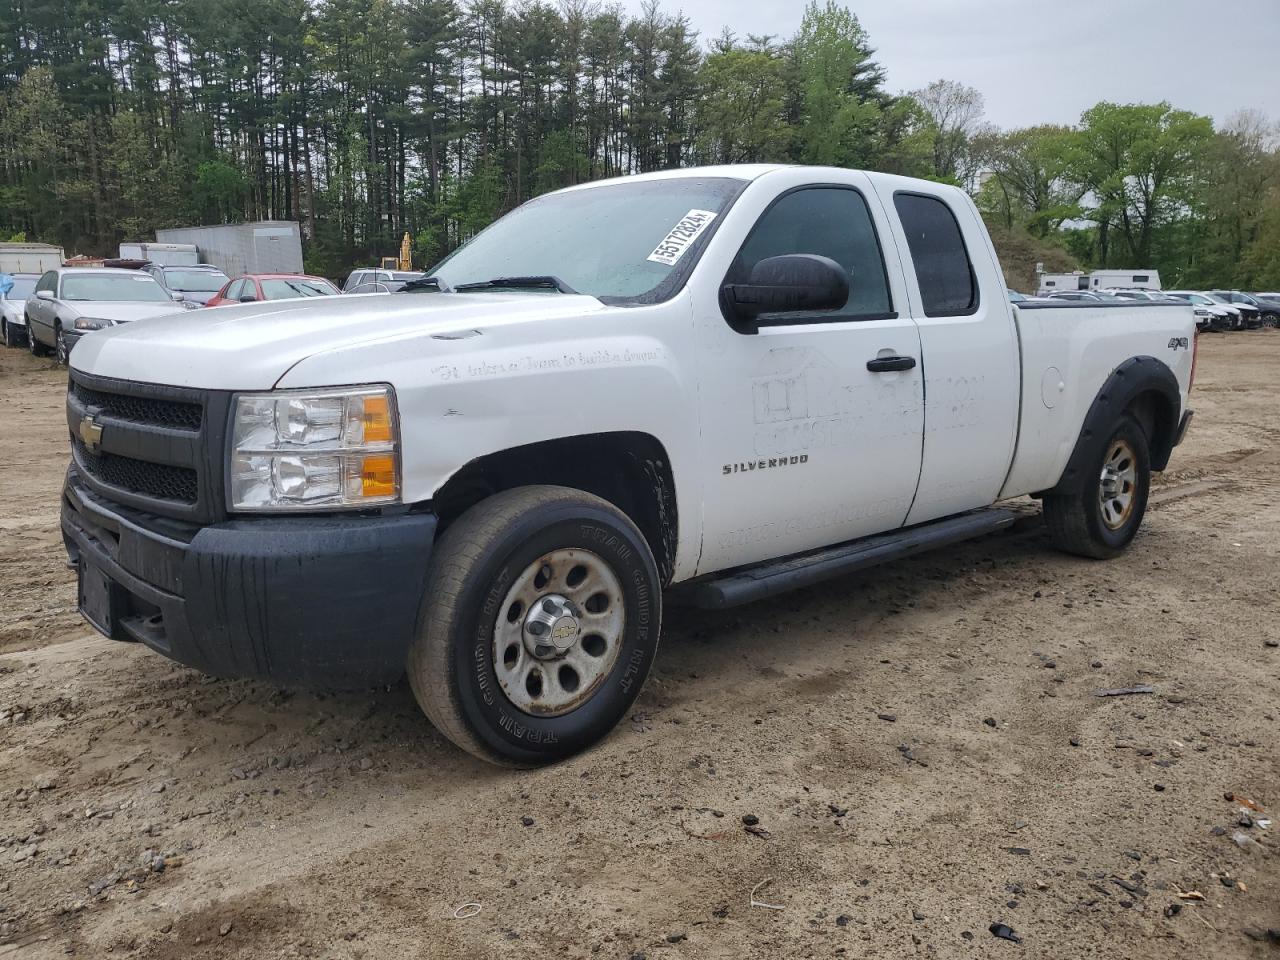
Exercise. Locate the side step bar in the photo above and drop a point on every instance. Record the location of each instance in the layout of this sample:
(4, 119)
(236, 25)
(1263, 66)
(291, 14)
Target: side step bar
(801, 570)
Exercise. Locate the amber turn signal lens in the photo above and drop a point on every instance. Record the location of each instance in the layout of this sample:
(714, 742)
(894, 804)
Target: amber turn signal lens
(377, 420)
(378, 476)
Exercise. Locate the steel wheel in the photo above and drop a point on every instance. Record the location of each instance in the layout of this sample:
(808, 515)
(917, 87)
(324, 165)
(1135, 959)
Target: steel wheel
(1116, 489)
(559, 633)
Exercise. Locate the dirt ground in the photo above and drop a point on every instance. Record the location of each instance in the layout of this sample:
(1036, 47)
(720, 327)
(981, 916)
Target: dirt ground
(921, 744)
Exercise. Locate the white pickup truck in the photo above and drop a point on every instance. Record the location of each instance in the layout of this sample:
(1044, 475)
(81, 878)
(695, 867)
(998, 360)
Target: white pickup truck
(707, 385)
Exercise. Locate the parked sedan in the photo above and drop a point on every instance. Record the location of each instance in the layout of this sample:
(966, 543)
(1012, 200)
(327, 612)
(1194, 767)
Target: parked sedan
(1210, 314)
(69, 302)
(13, 297)
(364, 275)
(256, 287)
(1268, 314)
(197, 283)
(1250, 314)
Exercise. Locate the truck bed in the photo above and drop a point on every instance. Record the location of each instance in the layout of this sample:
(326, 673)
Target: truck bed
(1068, 351)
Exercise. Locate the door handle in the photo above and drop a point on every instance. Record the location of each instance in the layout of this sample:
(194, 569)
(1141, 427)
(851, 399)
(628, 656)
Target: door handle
(890, 364)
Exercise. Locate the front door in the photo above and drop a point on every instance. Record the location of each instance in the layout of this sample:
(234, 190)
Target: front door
(804, 444)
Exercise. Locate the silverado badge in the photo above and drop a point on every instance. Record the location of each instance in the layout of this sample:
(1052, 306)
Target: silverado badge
(90, 432)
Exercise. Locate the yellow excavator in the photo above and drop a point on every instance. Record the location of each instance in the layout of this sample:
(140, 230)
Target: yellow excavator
(405, 260)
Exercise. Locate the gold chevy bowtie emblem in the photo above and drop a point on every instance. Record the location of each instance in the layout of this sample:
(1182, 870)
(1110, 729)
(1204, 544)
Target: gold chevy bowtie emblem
(90, 432)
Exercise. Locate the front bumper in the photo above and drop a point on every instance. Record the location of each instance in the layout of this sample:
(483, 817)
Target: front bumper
(328, 601)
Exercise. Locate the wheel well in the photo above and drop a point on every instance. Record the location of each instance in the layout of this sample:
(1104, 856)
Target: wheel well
(1158, 419)
(630, 470)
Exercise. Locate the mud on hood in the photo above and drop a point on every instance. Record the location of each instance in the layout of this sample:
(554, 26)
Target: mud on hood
(251, 346)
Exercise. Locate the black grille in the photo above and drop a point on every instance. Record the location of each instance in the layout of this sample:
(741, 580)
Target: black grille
(179, 484)
(163, 413)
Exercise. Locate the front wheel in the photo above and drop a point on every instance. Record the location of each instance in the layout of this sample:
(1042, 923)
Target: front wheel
(63, 347)
(1271, 321)
(541, 620)
(10, 337)
(1101, 519)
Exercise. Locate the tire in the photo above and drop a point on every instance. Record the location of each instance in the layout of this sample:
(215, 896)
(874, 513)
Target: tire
(61, 347)
(10, 339)
(479, 667)
(37, 348)
(1271, 320)
(1089, 524)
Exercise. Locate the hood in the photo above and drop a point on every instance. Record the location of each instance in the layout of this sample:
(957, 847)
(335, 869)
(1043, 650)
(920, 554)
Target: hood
(125, 311)
(251, 346)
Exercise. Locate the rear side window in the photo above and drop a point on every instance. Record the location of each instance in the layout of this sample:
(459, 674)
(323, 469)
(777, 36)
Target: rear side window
(832, 222)
(947, 284)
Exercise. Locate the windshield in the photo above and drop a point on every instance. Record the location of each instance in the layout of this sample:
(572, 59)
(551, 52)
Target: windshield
(112, 286)
(282, 289)
(624, 242)
(22, 288)
(195, 281)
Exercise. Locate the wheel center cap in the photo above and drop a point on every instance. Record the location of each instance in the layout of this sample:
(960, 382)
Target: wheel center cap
(551, 627)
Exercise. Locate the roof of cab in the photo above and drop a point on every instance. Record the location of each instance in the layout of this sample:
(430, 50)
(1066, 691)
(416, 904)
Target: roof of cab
(735, 171)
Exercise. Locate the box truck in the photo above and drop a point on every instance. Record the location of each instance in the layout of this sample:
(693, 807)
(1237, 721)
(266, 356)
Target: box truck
(161, 254)
(266, 246)
(29, 257)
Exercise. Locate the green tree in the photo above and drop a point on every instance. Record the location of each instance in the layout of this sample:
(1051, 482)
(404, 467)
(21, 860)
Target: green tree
(838, 111)
(1139, 164)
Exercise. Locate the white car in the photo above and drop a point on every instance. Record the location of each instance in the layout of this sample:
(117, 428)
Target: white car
(705, 385)
(13, 318)
(70, 302)
(1211, 314)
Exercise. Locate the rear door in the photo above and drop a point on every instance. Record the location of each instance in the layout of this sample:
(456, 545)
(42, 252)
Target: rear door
(972, 365)
(805, 445)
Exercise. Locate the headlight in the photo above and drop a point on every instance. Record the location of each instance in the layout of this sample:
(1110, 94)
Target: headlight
(93, 323)
(315, 449)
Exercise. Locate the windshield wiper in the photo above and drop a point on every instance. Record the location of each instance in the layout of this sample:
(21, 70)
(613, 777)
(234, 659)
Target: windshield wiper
(425, 283)
(543, 282)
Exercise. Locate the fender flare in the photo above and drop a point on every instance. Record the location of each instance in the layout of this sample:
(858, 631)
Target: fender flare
(1133, 378)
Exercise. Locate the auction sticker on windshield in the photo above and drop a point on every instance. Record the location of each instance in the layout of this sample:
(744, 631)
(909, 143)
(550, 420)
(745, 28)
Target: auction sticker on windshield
(681, 237)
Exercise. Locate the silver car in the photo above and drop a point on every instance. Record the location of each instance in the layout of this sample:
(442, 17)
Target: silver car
(69, 302)
(13, 302)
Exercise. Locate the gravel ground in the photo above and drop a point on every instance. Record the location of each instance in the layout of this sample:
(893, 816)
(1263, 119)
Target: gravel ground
(894, 762)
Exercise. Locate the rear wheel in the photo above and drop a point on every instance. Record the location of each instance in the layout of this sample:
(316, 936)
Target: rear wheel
(37, 348)
(1101, 519)
(541, 622)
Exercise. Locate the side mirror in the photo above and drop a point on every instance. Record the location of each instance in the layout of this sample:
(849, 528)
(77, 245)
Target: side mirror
(792, 282)
(176, 297)
(248, 298)
(44, 294)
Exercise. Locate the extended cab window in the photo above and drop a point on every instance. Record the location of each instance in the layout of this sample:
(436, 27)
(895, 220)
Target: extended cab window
(831, 222)
(948, 287)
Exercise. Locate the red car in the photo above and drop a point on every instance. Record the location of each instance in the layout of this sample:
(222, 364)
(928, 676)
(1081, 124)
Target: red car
(253, 287)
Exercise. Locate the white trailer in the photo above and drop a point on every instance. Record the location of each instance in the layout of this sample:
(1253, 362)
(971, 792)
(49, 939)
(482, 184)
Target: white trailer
(1125, 279)
(162, 254)
(1050, 282)
(266, 246)
(29, 257)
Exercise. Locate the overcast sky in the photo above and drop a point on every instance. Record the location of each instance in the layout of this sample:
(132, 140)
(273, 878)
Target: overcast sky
(1045, 61)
